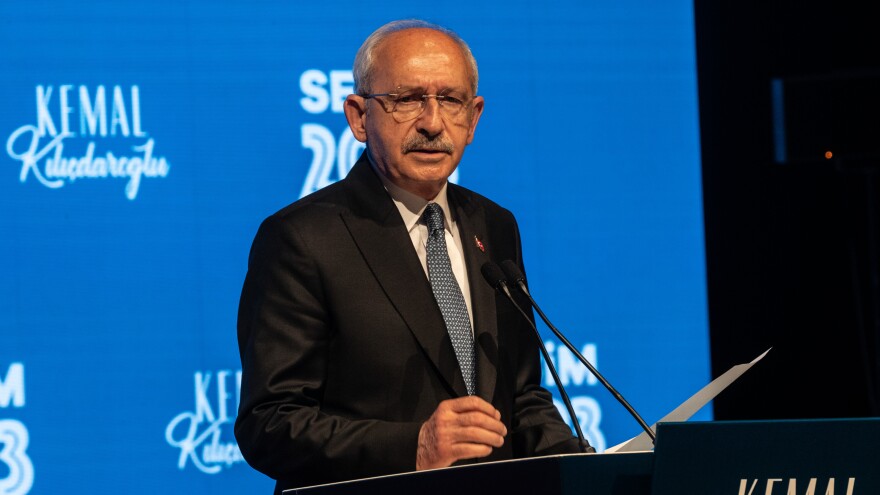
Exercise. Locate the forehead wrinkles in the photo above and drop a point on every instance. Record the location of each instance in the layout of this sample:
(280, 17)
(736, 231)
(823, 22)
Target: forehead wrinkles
(428, 72)
(429, 61)
(421, 58)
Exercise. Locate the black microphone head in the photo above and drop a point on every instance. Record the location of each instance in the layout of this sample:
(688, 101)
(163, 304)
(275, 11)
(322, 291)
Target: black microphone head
(493, 274)
(514, 274)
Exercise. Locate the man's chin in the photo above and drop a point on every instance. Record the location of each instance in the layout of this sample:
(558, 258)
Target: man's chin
(425, 179)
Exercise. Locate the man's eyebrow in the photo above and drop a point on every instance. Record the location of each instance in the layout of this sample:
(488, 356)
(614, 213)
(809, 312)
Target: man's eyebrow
(409, 89)
(421, 89)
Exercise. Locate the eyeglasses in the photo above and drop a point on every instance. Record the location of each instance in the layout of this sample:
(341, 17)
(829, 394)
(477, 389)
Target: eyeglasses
(409, 105)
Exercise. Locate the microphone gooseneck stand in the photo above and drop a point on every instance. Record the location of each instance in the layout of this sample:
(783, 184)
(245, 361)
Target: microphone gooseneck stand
(493, 274)
(518, 278)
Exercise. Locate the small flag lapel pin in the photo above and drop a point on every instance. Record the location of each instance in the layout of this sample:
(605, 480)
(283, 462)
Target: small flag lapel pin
(479, 244)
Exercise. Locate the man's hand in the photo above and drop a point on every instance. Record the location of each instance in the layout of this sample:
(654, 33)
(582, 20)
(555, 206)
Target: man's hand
(462, 428)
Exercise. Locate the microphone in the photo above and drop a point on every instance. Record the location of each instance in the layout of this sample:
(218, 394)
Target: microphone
(496, 279)
(515, 275)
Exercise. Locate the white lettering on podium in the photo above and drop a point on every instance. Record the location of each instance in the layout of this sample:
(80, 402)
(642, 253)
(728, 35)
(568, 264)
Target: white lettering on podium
(747, 487)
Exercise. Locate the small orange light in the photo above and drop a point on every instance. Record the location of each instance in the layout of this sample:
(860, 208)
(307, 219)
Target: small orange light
(828, 155)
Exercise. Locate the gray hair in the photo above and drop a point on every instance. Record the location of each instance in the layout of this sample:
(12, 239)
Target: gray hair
(364, 61)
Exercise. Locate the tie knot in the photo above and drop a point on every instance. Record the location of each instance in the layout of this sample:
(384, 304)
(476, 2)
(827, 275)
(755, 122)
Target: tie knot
(434, 217)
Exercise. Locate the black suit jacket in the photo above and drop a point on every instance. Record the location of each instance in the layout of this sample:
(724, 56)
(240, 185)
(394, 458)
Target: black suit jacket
(344, 351)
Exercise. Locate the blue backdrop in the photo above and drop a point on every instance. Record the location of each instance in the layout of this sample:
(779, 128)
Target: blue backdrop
(143, 143)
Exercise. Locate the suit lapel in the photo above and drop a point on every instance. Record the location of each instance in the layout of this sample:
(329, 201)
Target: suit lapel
(471, 221)
(379, 232)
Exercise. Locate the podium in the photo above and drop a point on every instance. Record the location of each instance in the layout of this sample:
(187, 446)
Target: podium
(619, 474)
(817, 457)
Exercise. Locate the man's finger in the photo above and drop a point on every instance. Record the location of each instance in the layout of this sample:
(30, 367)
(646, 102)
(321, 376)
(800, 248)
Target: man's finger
(481, 420)
(471, 403)
(476, 435)
(470, 450)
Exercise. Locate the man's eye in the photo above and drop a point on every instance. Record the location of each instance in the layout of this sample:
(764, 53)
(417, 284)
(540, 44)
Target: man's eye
(451, 100)
(409, 98)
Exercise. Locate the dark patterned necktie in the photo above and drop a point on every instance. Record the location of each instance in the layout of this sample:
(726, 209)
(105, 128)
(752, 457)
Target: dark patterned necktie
(448, 295)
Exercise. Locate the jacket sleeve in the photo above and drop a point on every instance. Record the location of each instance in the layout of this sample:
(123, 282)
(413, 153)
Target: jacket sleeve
(284, 334)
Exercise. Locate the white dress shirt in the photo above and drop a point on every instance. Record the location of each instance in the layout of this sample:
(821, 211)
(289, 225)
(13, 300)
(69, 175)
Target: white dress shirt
(411, 208)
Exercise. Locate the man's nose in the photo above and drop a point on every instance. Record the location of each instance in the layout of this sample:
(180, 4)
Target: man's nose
(430, 122)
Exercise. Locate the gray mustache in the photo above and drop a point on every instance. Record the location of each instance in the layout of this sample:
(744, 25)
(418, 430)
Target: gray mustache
(420, 142)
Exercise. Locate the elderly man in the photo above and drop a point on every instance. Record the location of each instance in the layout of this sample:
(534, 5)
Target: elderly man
(370, 343)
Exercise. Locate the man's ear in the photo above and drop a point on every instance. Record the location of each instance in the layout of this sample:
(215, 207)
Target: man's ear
(355, 108)
(476, 111)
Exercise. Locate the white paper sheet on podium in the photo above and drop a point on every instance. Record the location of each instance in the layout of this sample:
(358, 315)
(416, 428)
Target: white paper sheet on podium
(688, 408)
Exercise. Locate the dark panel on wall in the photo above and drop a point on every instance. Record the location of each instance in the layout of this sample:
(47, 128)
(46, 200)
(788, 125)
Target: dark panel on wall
(791, 235)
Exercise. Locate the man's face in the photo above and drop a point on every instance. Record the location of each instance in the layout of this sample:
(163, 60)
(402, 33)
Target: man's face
(419, 154)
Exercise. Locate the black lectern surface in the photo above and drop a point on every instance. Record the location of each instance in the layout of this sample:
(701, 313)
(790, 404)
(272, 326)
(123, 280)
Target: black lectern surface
(582, 474)
(799, 457)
